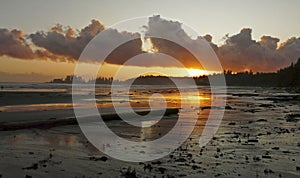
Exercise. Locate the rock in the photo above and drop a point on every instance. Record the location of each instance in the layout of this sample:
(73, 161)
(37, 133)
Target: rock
(256, 158)
(218, 175)
(103, 158)
(189, 155)
(268, 171)
(33, 166)
(180, 160)
(275, 148)
(182, 175)
(266, 156)
(261, 120)
(266, 105)
(228, 107)
(251, 110)
(128, 173)
(148, 166)
(194, 167)
(156, 162)
(245, 94)
(253, 140)
(293, 117)
(161, 170)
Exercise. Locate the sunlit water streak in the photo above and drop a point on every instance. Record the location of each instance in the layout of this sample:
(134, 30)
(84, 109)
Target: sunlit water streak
(139, 96)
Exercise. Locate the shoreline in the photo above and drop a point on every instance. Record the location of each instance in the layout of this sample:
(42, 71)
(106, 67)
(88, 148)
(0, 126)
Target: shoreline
(258, 137)
(53, 122)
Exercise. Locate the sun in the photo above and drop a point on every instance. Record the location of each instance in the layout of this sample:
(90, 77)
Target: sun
(196, 72)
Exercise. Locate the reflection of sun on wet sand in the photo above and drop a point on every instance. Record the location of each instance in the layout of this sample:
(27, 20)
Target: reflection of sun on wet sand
(259, 136)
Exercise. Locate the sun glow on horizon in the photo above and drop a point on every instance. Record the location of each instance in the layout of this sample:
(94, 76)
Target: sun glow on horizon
(196, 72)
(47, 70)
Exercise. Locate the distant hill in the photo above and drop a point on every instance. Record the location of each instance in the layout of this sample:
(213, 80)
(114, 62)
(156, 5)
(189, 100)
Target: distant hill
(289, 76)
(286, 77)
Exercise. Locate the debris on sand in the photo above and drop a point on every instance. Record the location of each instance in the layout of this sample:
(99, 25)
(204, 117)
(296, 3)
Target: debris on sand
(161, 170)
(266, 105)
(275, 148)
(256, 158)
(231, 123)
(245, 94)
(293, 117)
(266, 156)
(268, 171)
(103, 158)
(261, 120)
(128, 173)
(227, 107)
(253, 140)
(33, 166)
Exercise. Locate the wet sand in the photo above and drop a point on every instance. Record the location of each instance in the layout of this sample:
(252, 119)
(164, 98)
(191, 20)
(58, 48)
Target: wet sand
(258, 137)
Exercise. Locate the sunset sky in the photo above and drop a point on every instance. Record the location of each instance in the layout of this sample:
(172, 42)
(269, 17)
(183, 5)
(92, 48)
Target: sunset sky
(261, 35)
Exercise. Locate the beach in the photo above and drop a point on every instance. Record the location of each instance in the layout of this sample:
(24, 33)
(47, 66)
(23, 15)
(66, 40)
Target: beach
(258, 137)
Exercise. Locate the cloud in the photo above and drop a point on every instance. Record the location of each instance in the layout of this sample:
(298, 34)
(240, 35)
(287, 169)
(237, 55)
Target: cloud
(239, 51)
(269, 42)
(66, 42)
(125, 51)
(93, 29)
(169, 37)
(13, 44)
(209, 38)
(69, 44)
(290, 49)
